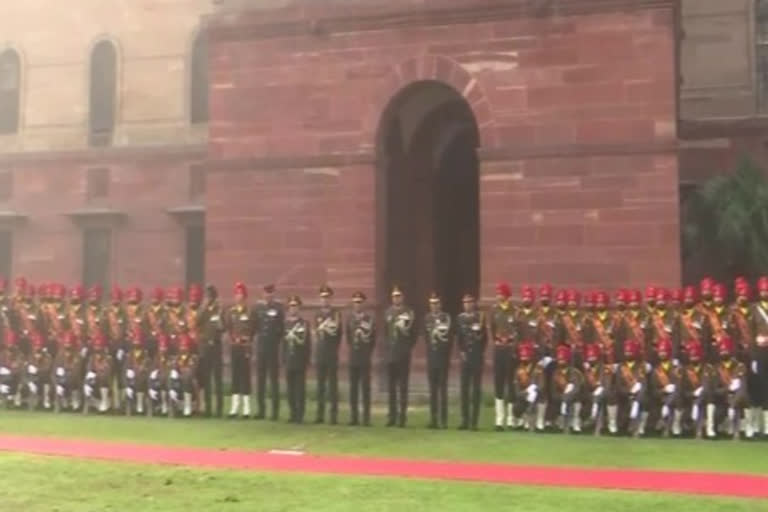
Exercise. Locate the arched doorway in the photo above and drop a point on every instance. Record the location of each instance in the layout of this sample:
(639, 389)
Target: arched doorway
(428, 196)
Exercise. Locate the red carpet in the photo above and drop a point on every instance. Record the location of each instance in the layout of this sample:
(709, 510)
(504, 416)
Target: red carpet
(751, 486)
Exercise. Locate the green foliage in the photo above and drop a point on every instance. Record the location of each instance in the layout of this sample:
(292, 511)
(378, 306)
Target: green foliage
(725, 232)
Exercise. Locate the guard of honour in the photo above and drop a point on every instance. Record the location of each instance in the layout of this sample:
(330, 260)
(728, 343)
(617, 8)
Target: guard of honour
(681, 362)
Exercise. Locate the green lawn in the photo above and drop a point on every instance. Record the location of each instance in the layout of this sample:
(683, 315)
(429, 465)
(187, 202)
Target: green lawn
(413, 442)
(50, 484)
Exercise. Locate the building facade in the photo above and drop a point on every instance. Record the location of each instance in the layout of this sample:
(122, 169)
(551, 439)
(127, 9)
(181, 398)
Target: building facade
(438, 145)
(103, 130)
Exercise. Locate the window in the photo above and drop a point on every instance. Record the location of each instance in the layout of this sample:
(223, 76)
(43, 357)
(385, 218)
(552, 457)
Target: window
(102, 94)
(196, 181)
(195, 254)
(6, 253)
(96, 256)
(6, 185)
(198, 88)
(97, 184)
(10, 85)
(761, 39)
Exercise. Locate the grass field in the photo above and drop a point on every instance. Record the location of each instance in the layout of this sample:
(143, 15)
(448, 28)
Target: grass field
(46, 484)
(413, 442)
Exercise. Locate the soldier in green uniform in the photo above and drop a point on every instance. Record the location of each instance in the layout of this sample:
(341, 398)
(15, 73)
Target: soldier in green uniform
(297, 349)
(270, 322)
(328, 331)
(211, 328)
(361, 339)
(502, 332)
(400, 337)
(239, 322)
(472, 338)
(438, 334)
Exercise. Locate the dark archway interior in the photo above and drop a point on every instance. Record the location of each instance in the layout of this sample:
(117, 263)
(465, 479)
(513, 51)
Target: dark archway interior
(428, 196)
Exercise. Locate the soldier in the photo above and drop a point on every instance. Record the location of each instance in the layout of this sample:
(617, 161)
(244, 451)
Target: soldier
(182, 382)
(599, 388)
(472, 339)
(56, 319)
(566, 389)
(741, 322)
(438, 335)
(706, 291)
(211, 328)
(526, 319)
(38, 374)
(328, 329)
(240, 324)
(175, 317)
(399, 338)
(529, 388)
(676, 300)
(602, 328)
(67, 374)
(29, 319)
(361, 339)
(662, 327)
(270, 324)
(717, 321)
(651, 294)
(192, 314)
(502, 332)
(116, 331)
(631, 386)
(94, 318)
(6, 314)
(696, 379)
(758, 350)
(665, 388)
(297, 351)
(728, 388)
(570, 327)
(691, 323)
(156, 320)
(99, 373)
(546, 317)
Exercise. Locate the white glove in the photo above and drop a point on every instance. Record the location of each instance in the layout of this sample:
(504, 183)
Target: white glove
(695, 412)
(153, 394)
(531, 396)
(636, 388)
(59, 390)
(648, 368)
(83, 351)
(563, 409)
(531, 389)
(635, 410)
(669, 388)
(174, 396)
(675, 362)
(698, 392)
(154, 374)
(120, 354)
(130, 374)
(129, 392)
(88, 390)
(60, 372)
(4, 371)
(753, 365)
(615, 367)
(569, 388)
(90, 376)
(174, 374)
(598, 392)
(32, 387)
(32, 369)
(545, 361)
(665, 411)
(4, 389)
(735, 385)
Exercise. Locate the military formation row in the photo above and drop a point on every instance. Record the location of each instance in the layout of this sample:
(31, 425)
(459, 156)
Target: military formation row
(696, 367)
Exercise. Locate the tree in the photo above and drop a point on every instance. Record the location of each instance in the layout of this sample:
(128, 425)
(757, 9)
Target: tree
(725, 233)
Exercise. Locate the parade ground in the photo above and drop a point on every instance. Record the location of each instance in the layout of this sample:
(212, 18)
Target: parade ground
(156, 464)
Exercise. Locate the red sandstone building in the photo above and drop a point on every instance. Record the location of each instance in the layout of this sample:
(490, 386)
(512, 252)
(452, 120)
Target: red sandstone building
(438, 144)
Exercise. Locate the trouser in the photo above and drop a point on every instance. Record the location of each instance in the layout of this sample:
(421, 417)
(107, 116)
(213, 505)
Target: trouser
(327, 379)
(759, 380)
(360, 381)
(502, 373)
(268, 367)
(209, 375)
(398, 373)
(241, 370)
(471, 382)
(296, 380)
(438, 394)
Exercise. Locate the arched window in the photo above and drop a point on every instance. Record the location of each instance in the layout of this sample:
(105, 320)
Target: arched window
(10, 85)
(103, 92)
(198, 91)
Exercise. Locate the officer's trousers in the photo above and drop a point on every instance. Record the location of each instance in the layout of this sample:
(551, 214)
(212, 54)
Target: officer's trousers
(360, 382)
(296, 380)
(268, 367)
(327, 380)
(398, 373)
(241, 370)
(471, 392)
(209, 375)
(437, 375)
